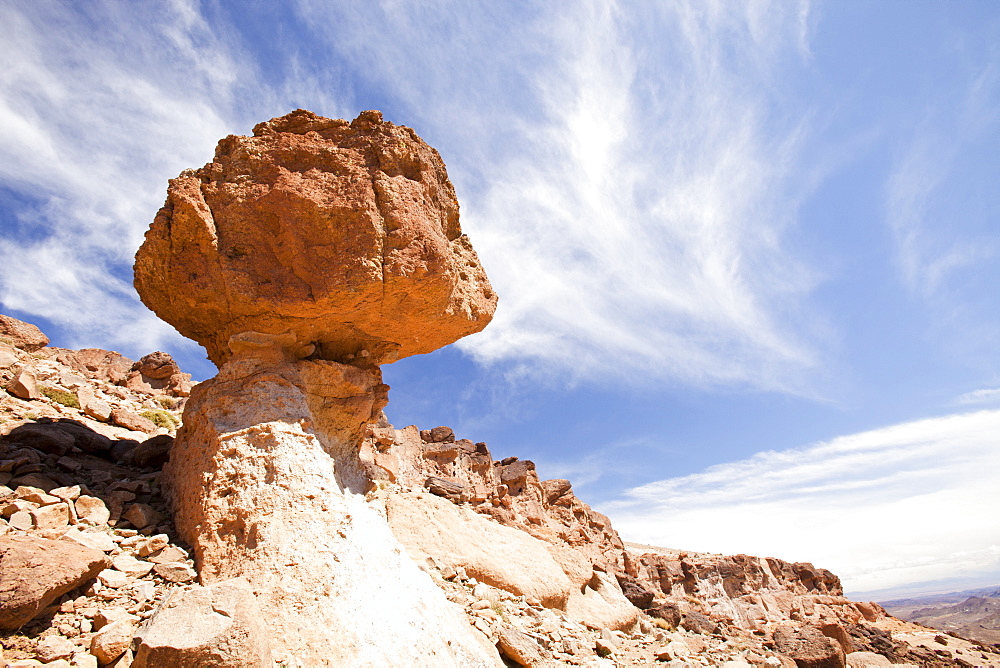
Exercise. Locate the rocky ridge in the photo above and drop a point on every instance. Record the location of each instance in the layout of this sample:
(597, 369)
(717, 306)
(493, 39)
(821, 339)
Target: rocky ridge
(118, 606)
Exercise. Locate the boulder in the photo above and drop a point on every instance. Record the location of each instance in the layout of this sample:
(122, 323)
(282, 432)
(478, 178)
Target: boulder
(21, 334)
(518, 647)
(344, 235)
(24, 385)
(35, 571)
(808, 647)
(601, 604)
(153, 452)
(453, 536)
(133, 421)
(42, 437)
(157, 366)
(219, 625)
(867, 660)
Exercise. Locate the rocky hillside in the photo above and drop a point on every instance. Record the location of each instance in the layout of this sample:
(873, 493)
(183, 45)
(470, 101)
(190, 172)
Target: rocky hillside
(271, 516)
(93, 573)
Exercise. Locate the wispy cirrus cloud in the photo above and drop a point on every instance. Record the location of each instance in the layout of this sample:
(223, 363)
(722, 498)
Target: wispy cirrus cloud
(908, 503)
(987, 395)
(933, 244)
(639, 171)
(101, 103)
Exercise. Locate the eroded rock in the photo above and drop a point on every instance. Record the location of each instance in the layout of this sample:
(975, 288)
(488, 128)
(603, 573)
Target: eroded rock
(345, 234)
(21, 334)
(220, 625)
(35, 571)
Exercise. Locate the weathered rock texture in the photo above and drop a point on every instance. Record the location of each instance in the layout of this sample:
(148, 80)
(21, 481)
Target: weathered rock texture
(21, 334)
(34, 572)
(260, 478)
(66, 476)
(219, 626)
(302, 258)
(345, 234)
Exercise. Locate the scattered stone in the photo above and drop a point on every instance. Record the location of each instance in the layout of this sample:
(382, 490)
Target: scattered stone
(67, 494)
(220, 625)
(112, 641)
(21, 334)
(518, 647)
(142, 515)
(21, 520)
(115, 579)
(134, 421)
(24, 386)
(53, 648)
(153, 544)
(95, 540)
(175, 571)
(92, 509)
(54, 516)
(167, 555)
(131, 566)
(35, 571)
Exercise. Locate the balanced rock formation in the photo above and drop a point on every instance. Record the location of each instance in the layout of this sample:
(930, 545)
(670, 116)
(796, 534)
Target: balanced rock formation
(344, 234)
(302, 258)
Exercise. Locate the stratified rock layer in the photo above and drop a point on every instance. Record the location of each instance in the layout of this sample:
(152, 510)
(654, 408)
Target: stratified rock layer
(344, 234)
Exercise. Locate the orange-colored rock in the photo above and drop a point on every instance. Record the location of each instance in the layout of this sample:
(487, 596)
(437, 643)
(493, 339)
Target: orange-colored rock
(345, 235)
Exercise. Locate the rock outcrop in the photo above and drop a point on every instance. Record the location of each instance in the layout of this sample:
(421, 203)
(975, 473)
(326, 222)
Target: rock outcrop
(69, 478)
(21, 334)
(345, 234)
(302, 258)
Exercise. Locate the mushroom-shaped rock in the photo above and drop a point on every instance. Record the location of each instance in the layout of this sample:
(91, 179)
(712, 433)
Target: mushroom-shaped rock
(345, 235)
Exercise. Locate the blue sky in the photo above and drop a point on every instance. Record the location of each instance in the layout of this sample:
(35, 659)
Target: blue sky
(746, 252)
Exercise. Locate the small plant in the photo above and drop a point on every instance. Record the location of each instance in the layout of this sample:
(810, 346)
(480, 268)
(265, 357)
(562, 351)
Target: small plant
(662, 623)
(64, 397)
(497, 608)
(167, 402)
(161, 418)
(31, 416)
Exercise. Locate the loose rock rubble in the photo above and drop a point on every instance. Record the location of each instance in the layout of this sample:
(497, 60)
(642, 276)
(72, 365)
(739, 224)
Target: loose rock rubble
(92, 573)
(87, 548)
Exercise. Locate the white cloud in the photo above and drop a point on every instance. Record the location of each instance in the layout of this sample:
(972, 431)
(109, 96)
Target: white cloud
(625, 174)
(908, 503)
(101, 103)
(645, 212)
(984, 396)
(622, 170)
(930, 230)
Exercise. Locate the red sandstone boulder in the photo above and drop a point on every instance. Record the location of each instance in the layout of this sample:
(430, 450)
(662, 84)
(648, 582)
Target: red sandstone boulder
(21, 334)
(344, 235)
(35, 571)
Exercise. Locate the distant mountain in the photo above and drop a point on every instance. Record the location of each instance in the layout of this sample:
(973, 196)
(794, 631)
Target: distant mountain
(973, 614)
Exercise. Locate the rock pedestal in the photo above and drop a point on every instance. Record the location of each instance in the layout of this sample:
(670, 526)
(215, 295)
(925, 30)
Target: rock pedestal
(265, 485)
(302, 258)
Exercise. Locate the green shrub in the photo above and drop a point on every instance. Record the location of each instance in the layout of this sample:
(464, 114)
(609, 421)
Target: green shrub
(63, 397)
(168, 402)
(161, 418)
